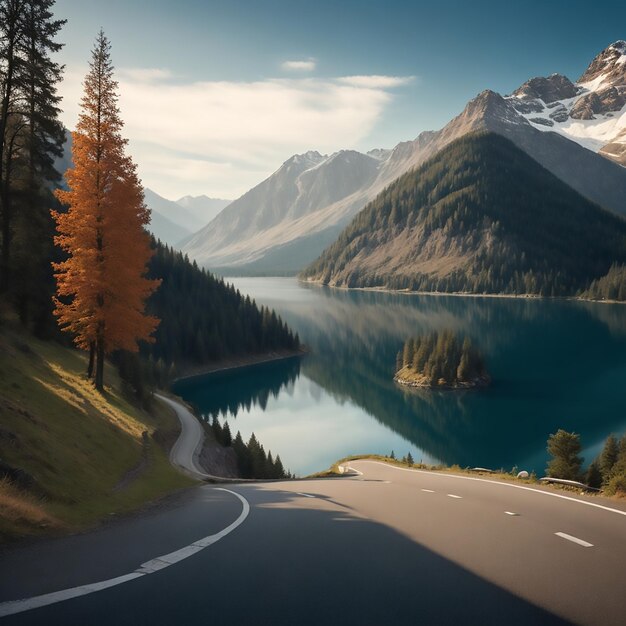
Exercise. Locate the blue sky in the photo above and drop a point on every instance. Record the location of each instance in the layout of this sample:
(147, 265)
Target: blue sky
(212, 105)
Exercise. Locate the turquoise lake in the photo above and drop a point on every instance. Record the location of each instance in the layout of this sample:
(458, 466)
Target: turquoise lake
(554, 363)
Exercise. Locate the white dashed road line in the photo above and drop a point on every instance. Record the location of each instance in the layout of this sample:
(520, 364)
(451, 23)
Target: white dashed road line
(306, 495)
(428, 490)
(511, 513)
(501, 484)
(580, 542)
(451, 495)
(161, 562)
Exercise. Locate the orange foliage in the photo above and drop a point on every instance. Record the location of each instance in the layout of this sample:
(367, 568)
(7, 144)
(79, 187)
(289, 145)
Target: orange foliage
(102, 287)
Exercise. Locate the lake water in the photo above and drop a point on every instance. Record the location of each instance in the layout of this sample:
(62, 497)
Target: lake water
(554, 363)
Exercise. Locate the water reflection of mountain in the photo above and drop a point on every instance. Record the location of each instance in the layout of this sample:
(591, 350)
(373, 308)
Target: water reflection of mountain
(534, 350)
(554, 363)
(233, 390)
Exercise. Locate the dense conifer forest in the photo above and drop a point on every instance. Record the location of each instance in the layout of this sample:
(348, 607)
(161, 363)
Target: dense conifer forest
(479, 217)
(252, 460)
(203, 320)
(440, 359)
(612, 286)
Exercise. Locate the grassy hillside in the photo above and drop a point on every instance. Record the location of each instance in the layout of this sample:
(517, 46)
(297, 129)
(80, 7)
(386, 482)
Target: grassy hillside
(481, 216)
(72, 455)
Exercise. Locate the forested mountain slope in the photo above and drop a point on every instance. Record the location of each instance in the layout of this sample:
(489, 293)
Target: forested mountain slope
(481, 217)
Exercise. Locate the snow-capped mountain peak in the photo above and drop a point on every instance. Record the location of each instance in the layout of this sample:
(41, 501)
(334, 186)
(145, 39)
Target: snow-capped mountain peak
(591, 111)
(607, 69)
(306, 160)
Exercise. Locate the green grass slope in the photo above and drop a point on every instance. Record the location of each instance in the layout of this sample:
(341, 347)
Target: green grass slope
(71, 456)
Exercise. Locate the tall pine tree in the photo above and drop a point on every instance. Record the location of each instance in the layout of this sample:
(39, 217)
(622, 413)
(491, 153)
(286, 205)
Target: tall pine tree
(31, 136)
(102, 286)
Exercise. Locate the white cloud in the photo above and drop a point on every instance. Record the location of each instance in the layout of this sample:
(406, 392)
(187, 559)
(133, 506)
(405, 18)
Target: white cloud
(144, 74)
(222, 137)
(376, 82)
(307, 65)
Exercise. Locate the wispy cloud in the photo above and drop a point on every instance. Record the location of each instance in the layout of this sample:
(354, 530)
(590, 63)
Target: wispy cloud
(144, 74)
(306, 65)
(376, 82)
(223, 137)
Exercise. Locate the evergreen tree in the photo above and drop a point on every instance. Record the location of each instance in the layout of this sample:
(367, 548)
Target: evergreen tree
(409, 349)
(593, 477)
(30, 137)
(102, 286)
(409, 459)
(279, 469)
(11, 124)
(241, 451)
(217, 429)
(608, 457)
(564, 447)
(227, 438)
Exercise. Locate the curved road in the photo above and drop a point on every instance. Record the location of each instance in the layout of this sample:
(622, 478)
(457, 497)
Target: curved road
(186, 451)
(382, 546)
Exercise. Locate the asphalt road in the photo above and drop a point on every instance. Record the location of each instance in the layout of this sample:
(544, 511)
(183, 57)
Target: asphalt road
(186, 451)
(383, 546)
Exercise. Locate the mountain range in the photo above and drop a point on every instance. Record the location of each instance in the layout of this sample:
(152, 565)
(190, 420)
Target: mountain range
(481, 216)
(575, 130)
(174, 221)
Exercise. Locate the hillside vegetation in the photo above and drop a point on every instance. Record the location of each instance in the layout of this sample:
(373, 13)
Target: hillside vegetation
(612, 286)
(71, 456)
(204, 320)
(481, 216)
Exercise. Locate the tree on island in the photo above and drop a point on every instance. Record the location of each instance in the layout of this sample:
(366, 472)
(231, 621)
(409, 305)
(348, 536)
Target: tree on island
(101, 286)
(440, 359)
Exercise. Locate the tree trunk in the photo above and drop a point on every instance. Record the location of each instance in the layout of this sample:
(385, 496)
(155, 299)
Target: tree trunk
(5, 255)
(92, 358)
(10, 35)
(100, 365)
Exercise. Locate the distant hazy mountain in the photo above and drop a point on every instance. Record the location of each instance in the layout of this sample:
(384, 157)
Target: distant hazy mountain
(203, 207)
(287, 220)
(480, 216)
(171, 221)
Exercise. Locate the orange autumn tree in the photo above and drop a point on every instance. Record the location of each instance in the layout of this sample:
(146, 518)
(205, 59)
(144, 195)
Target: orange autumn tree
(102, 286)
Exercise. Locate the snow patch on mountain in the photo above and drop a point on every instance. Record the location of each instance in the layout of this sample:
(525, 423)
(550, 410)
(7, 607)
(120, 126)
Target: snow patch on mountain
(594, 116)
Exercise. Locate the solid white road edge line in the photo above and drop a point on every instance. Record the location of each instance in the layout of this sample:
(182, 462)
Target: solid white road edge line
(502, 484)
(580, 542)
(161, 562)
(355, 470)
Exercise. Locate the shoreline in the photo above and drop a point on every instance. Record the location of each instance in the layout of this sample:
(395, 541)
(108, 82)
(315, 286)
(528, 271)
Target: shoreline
(479, 383)
(239, 363)
(459, 294)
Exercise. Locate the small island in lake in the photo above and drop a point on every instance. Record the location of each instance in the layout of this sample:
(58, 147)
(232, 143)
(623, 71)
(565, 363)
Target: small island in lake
(440, 360)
